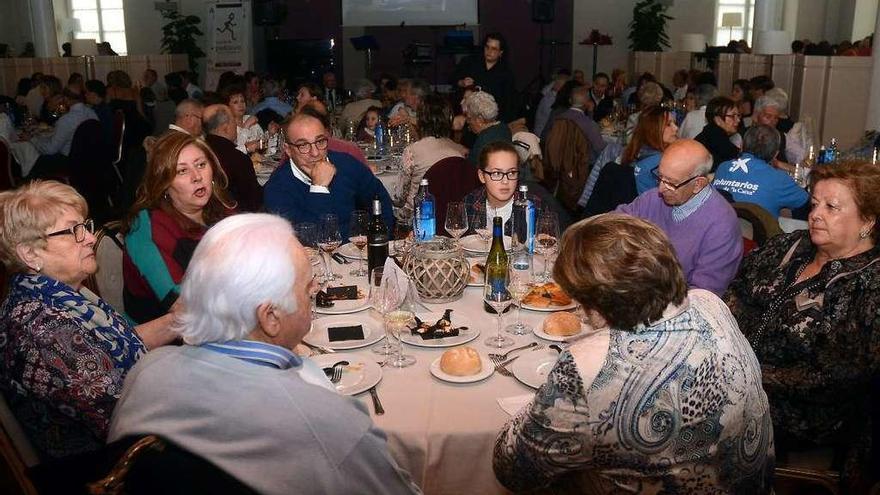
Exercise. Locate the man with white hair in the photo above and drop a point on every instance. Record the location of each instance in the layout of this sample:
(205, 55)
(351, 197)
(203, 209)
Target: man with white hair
(235, 395)
(481, 113)
(700, 223)
(770, 110)
(363, 93)
(188, 117)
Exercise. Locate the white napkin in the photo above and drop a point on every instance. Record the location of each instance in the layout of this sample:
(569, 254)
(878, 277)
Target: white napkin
(7, 130)
(512, 405)
(406, 289)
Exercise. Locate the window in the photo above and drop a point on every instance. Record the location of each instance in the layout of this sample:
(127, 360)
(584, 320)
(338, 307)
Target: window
(102, 20)
(746, 9)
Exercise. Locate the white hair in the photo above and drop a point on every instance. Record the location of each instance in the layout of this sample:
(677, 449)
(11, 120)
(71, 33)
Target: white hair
(481, 105)
(779, 96)
(242, 262)
(767, 102)
(364, 89)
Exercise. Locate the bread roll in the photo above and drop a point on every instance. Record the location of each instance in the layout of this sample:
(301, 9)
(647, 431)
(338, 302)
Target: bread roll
(461, 361)
(562, 324)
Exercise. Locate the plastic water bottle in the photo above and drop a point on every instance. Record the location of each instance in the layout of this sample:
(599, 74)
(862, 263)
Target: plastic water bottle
(424, 217)
(380, 137)
(524, 221)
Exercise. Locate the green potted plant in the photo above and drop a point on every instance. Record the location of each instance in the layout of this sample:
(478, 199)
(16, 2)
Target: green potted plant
(179, 36)
(647, 30)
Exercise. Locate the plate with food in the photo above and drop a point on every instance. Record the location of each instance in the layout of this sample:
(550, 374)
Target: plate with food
(341, 300)
(350, 250)
(548, 297)
(359, 375)
(462, 365)
(560, 327)
(477, 276)
(435, 330)
(475, 244)
(344, 332)
(533, 367)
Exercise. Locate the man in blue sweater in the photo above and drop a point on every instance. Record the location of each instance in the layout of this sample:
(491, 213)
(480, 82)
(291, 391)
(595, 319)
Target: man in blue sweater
(315, 181)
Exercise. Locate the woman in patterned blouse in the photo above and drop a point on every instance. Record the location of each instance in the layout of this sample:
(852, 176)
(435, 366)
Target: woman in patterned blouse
(663, 396)
(809, 303)
(64, 352)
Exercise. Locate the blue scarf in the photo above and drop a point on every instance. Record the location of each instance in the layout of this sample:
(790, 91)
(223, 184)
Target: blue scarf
(114, 334)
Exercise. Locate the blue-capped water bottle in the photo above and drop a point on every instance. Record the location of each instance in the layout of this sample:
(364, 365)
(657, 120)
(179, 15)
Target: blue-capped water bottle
(524, 221)
(380, 137)
(424, 217)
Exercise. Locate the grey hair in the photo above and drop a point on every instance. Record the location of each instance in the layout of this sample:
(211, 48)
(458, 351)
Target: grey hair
(650, 94)
(766, 102)
(185, 106)
(761, 141)
(419, 88)
(481, 105)
(704, 93)
(364, 89)
(242, 262)
(217, 120)
(705, 166)
(270, 88)
(780, 97)
(579, 96)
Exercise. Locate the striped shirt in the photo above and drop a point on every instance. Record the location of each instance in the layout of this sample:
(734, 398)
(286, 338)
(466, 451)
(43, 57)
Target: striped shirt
(259, 353)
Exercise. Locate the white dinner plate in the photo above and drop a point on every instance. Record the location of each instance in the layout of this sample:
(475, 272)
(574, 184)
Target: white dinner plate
(373, 332)
(533, 367)
(351, 251)
(463, 337)
(486, 371)
(474, 243)
(358, 376)
(349, 306)
(539, 331)
(550, 309)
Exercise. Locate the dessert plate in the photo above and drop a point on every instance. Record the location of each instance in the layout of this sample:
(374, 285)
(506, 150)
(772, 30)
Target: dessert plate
(318, 335)
(532, 368)
(463, 337)
(359, 376)
(348, 306)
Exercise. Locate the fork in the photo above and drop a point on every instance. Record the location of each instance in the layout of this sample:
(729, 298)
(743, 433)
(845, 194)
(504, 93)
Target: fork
(499, 358)
(335, 372)
(502, 367)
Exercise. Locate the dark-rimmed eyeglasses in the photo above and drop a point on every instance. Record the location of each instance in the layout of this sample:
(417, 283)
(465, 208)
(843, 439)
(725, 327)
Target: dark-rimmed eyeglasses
(78, 231)
(734, 116)
(304, 147)
(670, 185)
(498, 176)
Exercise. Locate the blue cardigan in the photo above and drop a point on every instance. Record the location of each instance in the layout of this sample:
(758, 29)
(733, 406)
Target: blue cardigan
(352, 188)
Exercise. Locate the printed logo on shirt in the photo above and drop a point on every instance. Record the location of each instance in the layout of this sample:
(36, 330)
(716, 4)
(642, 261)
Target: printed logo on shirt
(736, 186)
(740, 164)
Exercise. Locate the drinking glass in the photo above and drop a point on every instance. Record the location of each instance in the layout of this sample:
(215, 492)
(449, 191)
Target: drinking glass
(496, 293)
(383, 294)
(357, 234)
(329, 240)
(307, 234)
(481, 225)
(398, 321)
(456, 220)
(546, 240)
(521, 282)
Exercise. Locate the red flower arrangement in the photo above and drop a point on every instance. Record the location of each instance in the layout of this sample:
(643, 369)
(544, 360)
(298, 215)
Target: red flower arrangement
(597, 38)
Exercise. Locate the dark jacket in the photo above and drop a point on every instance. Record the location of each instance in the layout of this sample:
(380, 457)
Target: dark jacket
(716, 140)
(239, 170)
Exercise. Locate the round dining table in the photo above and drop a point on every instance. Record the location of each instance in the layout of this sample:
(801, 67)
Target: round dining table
(444, 433)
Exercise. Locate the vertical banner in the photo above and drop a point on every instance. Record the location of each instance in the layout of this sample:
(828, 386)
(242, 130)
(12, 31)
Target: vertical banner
(230, 40)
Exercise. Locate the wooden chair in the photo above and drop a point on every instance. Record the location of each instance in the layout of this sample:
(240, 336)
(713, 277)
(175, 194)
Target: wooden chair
(807, 472)
(757, 224)
(118, 140)
(108, 252)
(450, 180)
(16, 450)
(89, 163)
(7, 178)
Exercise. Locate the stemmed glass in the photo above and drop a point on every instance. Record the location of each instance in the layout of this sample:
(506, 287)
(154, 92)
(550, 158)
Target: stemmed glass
(547, 240)
(456, 220)
(307, 234)
(520, 284)
(357, 234)
(496, 293)
(398, 321)
(329, 240)
(481, 225)
(383, 295)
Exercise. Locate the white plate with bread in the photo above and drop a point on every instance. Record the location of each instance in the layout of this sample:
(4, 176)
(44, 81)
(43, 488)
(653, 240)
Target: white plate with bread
(319, 335)
(462, 365)
(466, 332)
(548, 297)
(359, 375)
(533, 367)
(560, 327)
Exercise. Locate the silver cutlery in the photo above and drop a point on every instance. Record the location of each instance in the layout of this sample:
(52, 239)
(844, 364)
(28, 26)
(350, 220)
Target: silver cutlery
(334, 373)
(502, 367)
(377, 406)
(556, 348)
(319, 349)
(499, 358)
(342, 260)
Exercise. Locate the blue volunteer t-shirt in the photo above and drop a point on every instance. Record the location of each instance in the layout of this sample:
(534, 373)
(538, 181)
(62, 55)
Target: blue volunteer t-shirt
(752, 180)
(649, 159)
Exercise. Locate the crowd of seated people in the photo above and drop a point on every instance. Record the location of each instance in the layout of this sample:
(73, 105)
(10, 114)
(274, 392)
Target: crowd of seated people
(795, 314)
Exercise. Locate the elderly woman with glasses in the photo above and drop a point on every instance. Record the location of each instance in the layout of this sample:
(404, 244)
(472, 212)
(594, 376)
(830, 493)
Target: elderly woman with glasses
(722, 122)
(499, 174)
(662, 395)
(809, 303)
(64, 352)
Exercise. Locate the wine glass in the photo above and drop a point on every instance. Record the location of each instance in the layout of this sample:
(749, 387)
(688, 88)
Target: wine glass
(496, 293)
(456, 220)
(329, 240)
(398, 321)
(357, 234)
(382, 295)
(307, 234)
(481, 225)
(547, 240)
(521, 283)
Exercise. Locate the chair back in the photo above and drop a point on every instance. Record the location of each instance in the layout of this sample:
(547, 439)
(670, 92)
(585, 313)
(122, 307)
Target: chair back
(566, 162)
(7, 178)
(16, 450)
(451, 179)
(118, 135)
(109, 249)
(808, 471)
(90, 165)
(763, 224)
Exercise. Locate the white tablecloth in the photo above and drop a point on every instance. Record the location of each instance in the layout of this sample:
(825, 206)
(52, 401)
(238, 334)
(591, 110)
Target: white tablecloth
(23, 151)
(443, 433)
